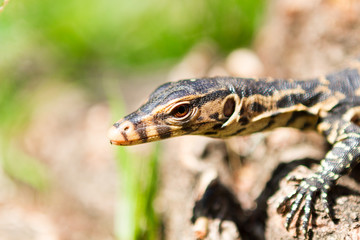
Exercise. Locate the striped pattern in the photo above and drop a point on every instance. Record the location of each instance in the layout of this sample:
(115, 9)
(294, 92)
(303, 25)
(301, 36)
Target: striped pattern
(225, 106)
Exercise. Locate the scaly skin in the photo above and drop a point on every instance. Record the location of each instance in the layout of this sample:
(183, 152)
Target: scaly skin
(224, 106)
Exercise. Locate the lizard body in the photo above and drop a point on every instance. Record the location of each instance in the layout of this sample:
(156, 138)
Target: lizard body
(226, 106)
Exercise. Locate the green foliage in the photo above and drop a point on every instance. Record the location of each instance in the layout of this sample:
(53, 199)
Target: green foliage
(14, 111)
(135, 216)
(81, 36)
(23, 168)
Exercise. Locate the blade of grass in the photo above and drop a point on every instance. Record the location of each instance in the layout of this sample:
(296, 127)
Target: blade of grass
(135, 216)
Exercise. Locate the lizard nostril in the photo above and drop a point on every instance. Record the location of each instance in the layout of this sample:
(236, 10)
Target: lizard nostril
(116, 125)
(126, 127)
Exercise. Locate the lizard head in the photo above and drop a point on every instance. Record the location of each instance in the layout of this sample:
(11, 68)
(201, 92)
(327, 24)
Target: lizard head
(196, 106)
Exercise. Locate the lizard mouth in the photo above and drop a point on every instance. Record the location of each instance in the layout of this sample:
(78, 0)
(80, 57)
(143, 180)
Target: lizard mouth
(123, 139)
(125, 133)
(117, 137)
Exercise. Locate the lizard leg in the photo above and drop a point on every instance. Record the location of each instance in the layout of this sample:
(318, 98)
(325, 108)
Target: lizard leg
(345, 154)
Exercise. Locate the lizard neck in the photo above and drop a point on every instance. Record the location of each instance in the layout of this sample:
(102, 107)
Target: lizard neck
(270, 103)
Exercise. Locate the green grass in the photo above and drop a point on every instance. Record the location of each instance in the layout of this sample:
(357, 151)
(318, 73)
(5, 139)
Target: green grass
(135, 216)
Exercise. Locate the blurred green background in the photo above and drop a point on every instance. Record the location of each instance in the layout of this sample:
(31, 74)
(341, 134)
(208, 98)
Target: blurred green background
(78, 38)
(79, 43)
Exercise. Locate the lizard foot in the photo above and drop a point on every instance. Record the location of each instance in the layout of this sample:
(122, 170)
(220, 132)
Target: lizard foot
(307, 191)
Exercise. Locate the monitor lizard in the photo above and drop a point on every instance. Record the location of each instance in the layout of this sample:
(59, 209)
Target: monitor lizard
(222, 107)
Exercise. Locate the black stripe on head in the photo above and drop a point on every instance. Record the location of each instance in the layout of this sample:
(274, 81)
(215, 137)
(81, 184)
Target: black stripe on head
(243, 120)
(210, 133)
(312, 100)
(289, 100)
(210, 97)
(239, 131)
(242, 111)
(257, 107)
(214, 116)
(163, 131)
(189, 127)
(124, 136)
(295, 116)
(217, 126)
(141, 130)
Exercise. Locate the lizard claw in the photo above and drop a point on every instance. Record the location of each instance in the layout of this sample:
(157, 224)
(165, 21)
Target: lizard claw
(307, 192)
(293, 178)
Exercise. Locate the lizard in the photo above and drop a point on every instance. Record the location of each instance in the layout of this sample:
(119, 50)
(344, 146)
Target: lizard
(222, 107)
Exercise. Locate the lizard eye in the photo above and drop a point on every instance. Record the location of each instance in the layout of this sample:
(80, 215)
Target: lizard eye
(181, 111)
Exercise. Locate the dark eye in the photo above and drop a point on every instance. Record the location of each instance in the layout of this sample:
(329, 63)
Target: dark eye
(181, 111)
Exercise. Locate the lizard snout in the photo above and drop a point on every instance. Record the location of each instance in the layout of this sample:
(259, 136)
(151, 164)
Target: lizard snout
(122, 133)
